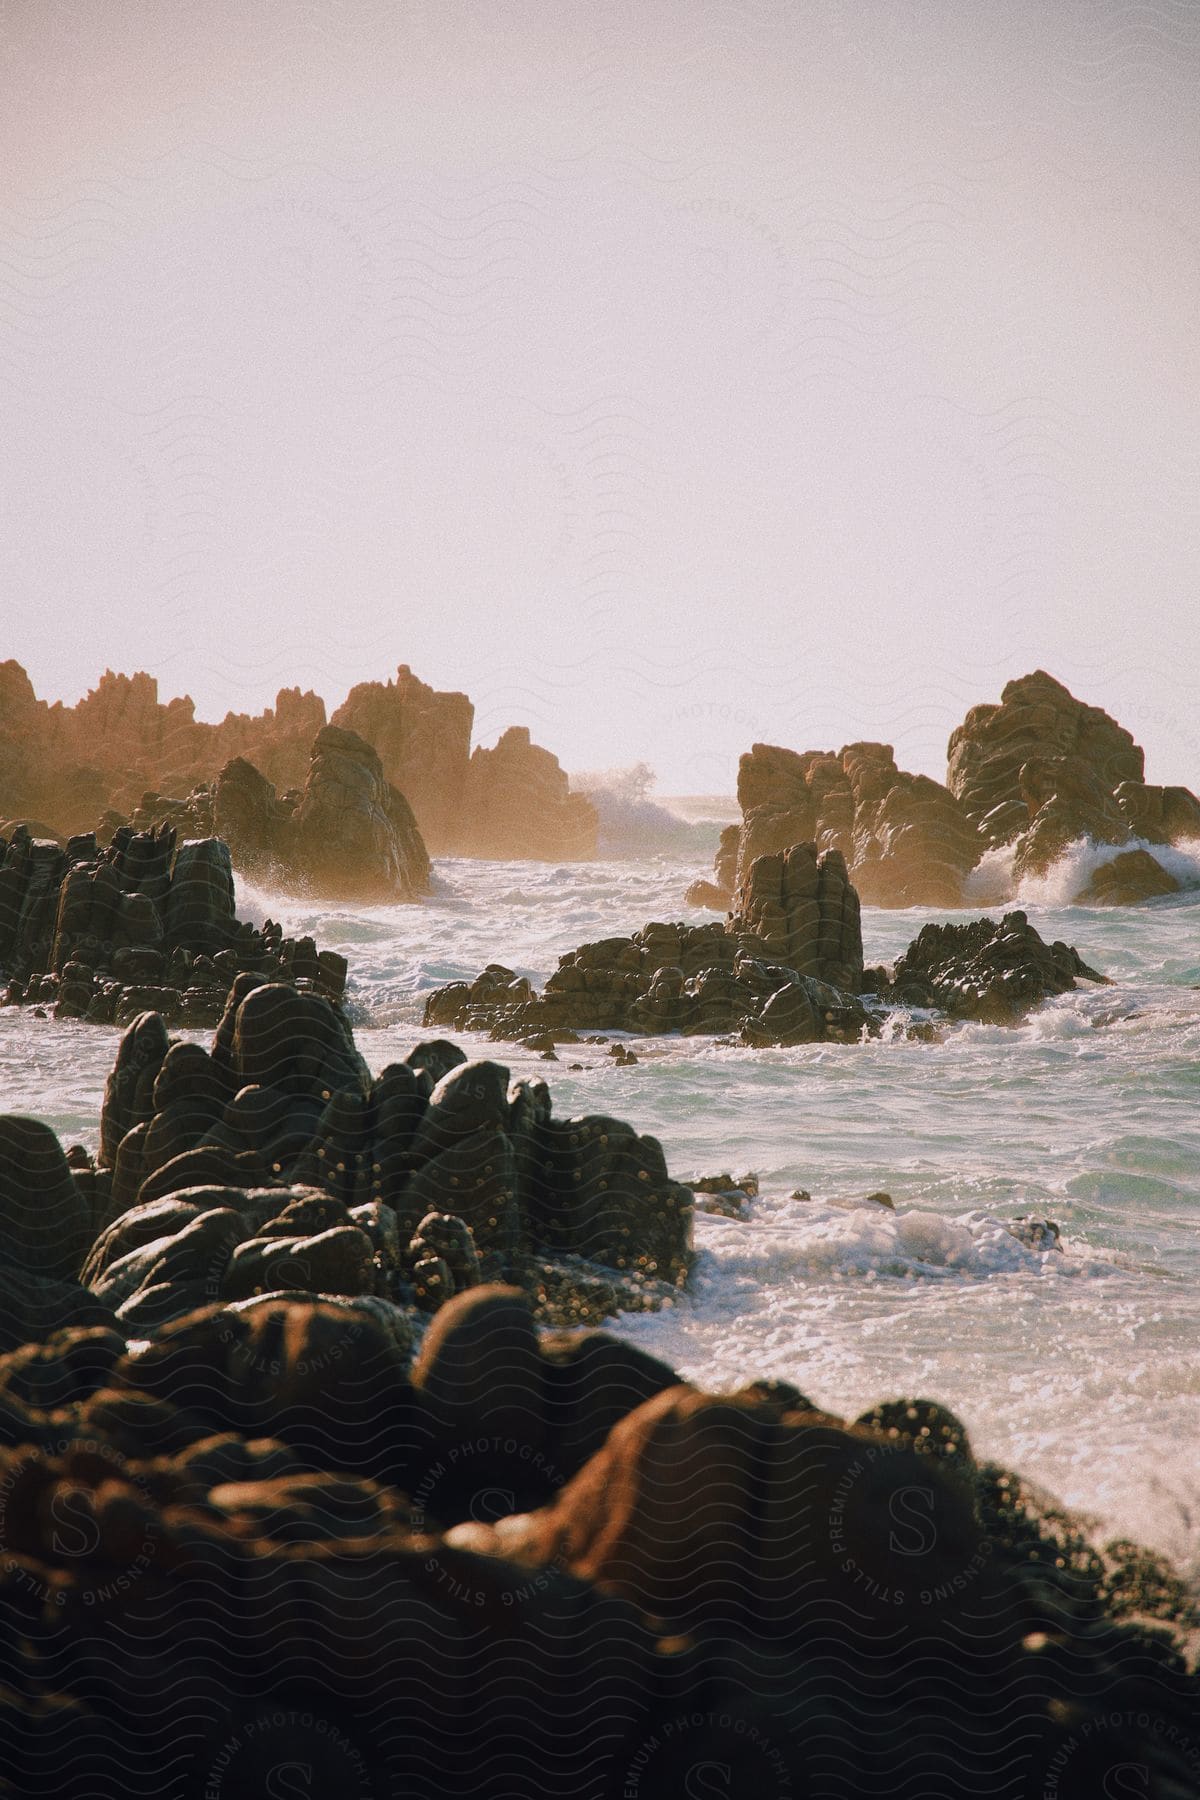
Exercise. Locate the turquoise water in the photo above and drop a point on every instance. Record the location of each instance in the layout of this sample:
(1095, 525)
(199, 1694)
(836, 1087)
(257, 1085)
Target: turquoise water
(1079, 1365)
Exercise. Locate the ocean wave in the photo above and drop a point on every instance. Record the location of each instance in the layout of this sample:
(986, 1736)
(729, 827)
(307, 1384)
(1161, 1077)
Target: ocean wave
(632, 825)
(993, 883)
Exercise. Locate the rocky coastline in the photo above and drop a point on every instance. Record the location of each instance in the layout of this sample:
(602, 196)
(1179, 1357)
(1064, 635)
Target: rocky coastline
(1027, 777)
(105, 933)
(318, 1469)
(121, 751)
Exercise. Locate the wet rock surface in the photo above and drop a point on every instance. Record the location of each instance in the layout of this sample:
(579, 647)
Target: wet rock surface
(273, 1544)
(275, 1162)
(786, 968)
(1042, 769)
(989, 972)
(347, 834)
(905, 839)
(145, 923)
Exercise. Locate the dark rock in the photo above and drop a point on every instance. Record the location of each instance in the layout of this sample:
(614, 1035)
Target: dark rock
(984, 971)
(45, 1222)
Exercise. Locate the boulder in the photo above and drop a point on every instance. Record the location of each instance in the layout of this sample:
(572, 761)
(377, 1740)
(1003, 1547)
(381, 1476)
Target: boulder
(1130, 878)
(987, 972)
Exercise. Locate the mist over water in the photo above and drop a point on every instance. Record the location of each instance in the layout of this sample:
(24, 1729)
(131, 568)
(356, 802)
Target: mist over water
(1081, 1365)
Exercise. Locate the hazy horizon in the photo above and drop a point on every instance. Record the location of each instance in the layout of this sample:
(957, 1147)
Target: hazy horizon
(665, 378)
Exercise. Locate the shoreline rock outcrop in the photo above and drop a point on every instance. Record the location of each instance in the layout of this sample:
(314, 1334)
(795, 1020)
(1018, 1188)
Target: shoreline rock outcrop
(274, 1161)
(275, 1540)
(1036, 772)
(786, 968)
(105, 934)
(346, 835)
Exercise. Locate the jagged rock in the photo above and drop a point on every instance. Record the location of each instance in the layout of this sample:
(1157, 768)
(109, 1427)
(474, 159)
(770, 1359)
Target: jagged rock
(423, 739)
(695, 979)
(984, 971)
(1037, 719)
(904, 838)
(275, 1161)
(105, 934)
(355, 836)
(801, 909)
(346, 834)
(1042, 770)
(1038, 771)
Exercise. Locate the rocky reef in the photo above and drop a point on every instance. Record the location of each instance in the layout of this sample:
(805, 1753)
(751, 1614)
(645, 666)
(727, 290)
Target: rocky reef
(786, 968)
(1037, 772)
(273, 1161)
(347, 834)
(105, 934)
(121, 747)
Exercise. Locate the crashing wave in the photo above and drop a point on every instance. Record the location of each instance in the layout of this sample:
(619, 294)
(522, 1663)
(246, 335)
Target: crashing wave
(635, 826)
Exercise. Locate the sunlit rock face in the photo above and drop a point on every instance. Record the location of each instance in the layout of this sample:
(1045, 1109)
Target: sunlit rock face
(424, 743)
(1032, 775)
(905, 839)
(1042, 770)
(123, 754)
(346, 834)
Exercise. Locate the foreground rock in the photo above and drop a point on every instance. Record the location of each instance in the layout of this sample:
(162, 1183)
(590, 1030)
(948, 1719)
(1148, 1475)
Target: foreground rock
(271, 1549)
(104, 934)
(274, 1161)
(786, 968)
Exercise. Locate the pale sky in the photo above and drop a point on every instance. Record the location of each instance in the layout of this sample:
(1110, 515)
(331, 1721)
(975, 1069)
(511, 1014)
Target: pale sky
(667, 374)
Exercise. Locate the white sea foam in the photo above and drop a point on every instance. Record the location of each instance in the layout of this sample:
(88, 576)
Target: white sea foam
(634, 825)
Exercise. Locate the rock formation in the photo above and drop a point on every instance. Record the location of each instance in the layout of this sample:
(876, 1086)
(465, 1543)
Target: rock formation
(104, 934)
(517, 803)
(1042, 769)
(786, 968)
(984, 971)
(123, 752)
(275, 1162)
(270, 1548)
(345, 835)
(1037, 772)
(424, 744)
(905, 839)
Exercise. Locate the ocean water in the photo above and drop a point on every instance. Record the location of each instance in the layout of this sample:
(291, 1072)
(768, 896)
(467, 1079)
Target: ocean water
(1078, 1365)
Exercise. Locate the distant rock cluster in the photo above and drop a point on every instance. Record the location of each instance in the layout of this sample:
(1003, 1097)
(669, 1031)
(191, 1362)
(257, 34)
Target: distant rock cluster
(1034, 774)
(123, 751)
(104, 934)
